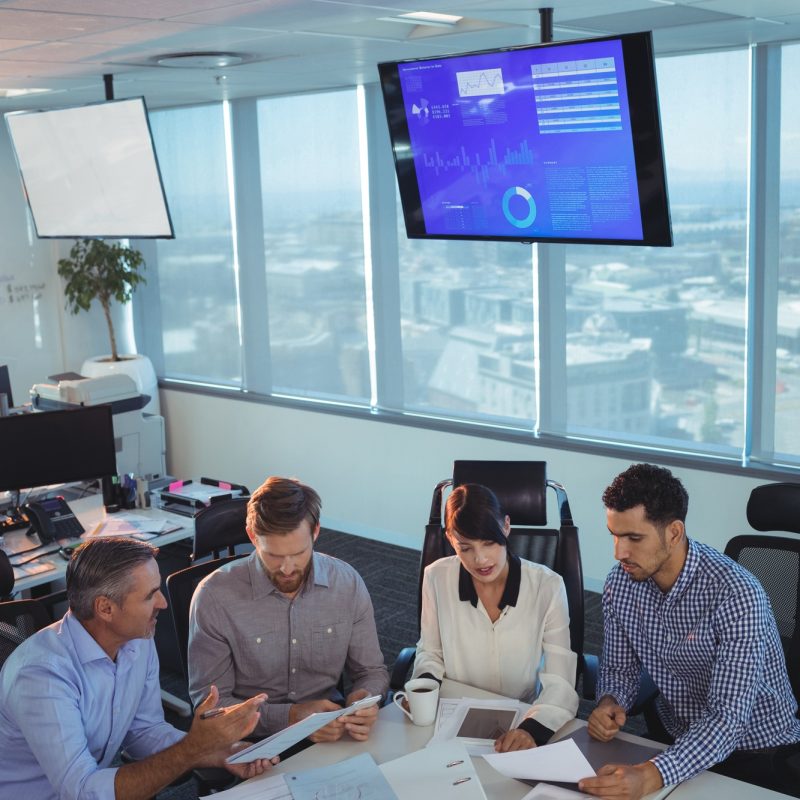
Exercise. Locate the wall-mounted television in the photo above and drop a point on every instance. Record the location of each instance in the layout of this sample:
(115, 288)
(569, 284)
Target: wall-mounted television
(91, 171)
(558, 142)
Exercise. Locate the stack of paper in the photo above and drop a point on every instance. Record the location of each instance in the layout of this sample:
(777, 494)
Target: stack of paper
(135, 525)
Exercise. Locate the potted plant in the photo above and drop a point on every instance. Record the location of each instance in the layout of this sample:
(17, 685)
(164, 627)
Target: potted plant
(96, 270)
(106, 272)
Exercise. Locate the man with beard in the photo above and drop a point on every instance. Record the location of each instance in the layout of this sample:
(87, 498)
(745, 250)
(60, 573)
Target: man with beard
(702, 627)
(77, 691)
(288, 621)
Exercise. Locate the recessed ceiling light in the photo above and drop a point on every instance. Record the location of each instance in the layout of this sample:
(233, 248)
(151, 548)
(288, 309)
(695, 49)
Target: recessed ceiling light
(200, 60)
(425, 18)
(21, 92)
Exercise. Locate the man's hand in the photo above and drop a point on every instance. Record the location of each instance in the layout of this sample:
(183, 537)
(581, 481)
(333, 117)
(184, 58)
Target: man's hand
(359, 723)
(516, 739)
(623, 781)
(207, 737)
(249, 770)
(331, 732)
(606, 720)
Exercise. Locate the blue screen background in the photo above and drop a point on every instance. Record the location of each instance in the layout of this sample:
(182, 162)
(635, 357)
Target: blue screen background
(524, 142)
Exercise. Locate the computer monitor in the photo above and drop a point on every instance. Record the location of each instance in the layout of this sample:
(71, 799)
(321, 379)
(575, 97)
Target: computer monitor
(49, 447)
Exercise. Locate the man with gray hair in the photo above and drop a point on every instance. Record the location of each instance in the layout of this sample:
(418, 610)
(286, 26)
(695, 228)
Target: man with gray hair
(77, 691)
(287, 621)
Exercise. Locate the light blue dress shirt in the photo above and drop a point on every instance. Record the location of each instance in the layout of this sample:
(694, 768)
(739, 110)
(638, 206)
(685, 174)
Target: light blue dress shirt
(66, 709)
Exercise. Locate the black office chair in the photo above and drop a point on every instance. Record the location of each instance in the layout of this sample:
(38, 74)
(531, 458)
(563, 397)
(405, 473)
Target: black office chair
(19, 619)
(775, 561)
(6, 577)
(521, 487)
(180, 588)
(220, 527)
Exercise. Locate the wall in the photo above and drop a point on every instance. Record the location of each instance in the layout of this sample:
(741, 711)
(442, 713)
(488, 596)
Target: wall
(376, 479)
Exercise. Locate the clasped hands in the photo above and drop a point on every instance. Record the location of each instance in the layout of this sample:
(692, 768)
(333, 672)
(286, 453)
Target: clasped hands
(357, 725)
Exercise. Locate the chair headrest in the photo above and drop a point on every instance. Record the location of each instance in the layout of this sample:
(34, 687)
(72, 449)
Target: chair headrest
(775, 507)
(520, 486)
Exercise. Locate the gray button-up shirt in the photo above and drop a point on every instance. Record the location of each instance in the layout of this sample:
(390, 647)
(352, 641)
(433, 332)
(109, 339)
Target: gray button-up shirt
(247, 637)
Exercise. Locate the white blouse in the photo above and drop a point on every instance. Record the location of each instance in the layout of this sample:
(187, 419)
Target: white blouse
(524, 654)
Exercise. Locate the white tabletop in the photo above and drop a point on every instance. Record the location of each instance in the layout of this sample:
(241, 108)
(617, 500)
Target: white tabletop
(394, 735)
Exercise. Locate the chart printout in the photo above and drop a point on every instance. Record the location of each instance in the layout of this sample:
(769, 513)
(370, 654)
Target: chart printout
(524, 142)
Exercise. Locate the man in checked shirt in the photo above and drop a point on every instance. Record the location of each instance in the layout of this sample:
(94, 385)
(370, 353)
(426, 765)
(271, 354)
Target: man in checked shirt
(703, 629)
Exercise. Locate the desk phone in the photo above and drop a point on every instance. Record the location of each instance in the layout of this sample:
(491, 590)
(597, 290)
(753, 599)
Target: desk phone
(53, 519)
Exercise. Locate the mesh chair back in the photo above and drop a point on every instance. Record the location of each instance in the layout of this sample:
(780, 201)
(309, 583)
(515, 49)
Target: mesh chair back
(19, 619)
(220, 527)
(521, 487)
(775, 561)
(180, 588)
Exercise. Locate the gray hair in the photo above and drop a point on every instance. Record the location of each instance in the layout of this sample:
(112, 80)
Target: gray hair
(102, 567)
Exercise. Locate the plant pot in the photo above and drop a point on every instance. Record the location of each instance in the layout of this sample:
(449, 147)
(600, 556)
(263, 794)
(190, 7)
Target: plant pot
(138, 367)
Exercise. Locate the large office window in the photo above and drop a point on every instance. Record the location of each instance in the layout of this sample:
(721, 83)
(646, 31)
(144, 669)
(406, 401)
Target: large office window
(656, 337)
(314, 245)
(467, 329)
(638, 346)
(196, 272)
(787, 384)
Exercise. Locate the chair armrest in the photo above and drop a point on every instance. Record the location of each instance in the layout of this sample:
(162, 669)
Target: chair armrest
(402, 665)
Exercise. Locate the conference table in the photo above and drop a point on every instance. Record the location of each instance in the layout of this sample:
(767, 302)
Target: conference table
(394, 736)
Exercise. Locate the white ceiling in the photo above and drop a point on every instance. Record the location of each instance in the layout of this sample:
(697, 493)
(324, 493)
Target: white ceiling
(65, 46)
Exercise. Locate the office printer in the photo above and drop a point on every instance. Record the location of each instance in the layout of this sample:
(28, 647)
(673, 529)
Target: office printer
(140, 439)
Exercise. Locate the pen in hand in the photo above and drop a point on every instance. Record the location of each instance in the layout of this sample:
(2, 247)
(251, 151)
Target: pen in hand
(214, 712)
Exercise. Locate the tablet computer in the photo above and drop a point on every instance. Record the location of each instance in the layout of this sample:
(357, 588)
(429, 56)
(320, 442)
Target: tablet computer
(484, 724)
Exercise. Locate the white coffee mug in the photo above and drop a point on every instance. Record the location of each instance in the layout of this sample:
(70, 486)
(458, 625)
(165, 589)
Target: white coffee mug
(422, 695)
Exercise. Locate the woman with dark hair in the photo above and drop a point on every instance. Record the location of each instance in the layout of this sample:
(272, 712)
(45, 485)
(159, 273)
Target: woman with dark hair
(497, 622)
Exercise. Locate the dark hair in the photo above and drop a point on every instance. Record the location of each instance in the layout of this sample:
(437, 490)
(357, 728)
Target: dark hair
(656, 488)
(474, 512)
(280, 505)
(102, 567)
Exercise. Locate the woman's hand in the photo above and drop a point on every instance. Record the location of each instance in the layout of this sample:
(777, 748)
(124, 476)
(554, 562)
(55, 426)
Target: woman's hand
(517, 739)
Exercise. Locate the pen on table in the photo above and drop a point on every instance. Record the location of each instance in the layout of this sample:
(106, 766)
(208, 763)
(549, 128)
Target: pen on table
(214, 712)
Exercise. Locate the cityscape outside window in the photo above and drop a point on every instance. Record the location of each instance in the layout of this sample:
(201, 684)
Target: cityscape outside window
(196, 277)
(787, 384)
(656, 336)
(314, 245)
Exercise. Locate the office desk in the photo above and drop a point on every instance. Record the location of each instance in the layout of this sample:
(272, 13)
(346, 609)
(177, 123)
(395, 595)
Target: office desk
(394, 735)
(89, 510)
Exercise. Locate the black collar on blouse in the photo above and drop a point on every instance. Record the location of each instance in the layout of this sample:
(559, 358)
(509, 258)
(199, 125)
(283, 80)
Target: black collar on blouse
(466, 588)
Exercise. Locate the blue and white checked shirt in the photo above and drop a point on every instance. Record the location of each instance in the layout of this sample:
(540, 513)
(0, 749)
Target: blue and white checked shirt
(712, 647)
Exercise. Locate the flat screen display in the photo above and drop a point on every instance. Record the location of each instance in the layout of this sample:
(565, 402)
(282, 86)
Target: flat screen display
(47, 447)
(557, 142)
(91, 171)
